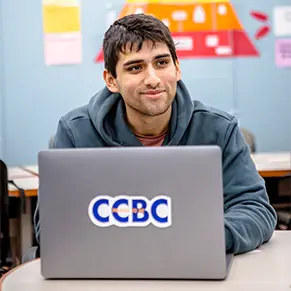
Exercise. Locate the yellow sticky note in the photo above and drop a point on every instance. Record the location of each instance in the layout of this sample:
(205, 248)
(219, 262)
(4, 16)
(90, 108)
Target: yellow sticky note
(61, 19)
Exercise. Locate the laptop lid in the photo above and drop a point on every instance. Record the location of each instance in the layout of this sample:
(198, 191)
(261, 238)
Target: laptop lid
(143, 212)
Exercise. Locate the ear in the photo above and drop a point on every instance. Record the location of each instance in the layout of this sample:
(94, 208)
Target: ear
(179, 73)
(110, 82)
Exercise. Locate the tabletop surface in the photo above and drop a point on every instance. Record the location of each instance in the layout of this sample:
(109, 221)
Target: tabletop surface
(267, 268)
(272, 161)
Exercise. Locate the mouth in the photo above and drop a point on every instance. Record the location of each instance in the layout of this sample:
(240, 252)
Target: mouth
(153, 93)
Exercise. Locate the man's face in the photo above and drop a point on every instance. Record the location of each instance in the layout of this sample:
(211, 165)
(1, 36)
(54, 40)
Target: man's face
(147, 79)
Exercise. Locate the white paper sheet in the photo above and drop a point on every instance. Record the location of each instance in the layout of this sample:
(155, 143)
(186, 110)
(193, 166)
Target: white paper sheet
(282, 20)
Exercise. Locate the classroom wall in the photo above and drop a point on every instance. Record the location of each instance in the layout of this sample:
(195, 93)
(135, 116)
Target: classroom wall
(36, 96)
(1, 86)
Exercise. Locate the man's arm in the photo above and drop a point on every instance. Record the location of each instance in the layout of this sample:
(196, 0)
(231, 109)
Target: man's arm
(249, 218)
(62, 139)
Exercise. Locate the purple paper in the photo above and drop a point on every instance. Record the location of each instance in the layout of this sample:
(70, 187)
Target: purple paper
(283, 52)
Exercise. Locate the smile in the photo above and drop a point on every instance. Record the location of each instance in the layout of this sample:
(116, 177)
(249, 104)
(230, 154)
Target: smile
(153, 93)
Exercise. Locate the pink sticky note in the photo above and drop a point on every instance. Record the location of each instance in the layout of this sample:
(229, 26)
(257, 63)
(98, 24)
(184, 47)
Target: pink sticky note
(283, 52)
(63, 49)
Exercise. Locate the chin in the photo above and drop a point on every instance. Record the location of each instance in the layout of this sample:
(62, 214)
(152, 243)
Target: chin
(156, 112)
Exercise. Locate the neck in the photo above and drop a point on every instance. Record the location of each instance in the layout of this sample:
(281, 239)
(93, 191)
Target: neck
(148, 125)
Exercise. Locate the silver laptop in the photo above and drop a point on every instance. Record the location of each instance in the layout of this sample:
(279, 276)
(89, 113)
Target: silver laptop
(136, 213)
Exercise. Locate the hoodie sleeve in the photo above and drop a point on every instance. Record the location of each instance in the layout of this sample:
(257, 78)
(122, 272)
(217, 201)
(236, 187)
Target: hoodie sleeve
(249, 218)
(62, 139)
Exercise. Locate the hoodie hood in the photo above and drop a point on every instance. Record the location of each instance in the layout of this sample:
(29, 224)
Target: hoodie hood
(107, 113)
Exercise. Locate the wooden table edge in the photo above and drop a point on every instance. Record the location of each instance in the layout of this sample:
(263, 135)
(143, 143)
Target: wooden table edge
(274, 173)
(28, 193)
(13, 270)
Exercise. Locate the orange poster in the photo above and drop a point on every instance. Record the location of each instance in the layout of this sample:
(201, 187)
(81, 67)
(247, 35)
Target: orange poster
(200, 28)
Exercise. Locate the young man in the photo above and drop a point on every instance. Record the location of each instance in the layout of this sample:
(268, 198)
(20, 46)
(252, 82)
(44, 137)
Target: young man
(145, 103)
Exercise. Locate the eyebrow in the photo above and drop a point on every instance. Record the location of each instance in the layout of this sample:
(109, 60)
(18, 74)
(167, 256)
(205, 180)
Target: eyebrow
(128, 63)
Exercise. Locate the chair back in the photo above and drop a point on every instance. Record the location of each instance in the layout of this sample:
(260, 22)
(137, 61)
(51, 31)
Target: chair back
(4, 212)
(250, 139)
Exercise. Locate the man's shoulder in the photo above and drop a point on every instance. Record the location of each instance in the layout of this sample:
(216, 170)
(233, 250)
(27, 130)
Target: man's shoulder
(212, 125)
(76, 115)
(82, 113)
(79, 126)
(208, 112)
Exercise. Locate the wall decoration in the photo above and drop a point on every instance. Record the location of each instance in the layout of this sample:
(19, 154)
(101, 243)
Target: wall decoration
(265, 28)
(283, 52)
(62, 32)
(201, 29)
(282, 20)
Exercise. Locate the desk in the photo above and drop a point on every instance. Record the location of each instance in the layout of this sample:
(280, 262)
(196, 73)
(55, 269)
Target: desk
(275, 168)
(272, 165)
(265, 269)
(27, 179)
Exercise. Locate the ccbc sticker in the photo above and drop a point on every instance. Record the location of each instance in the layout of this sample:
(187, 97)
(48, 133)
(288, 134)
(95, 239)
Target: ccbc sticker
(130, 211)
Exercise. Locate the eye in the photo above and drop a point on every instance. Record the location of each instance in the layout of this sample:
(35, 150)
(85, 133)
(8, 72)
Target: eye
(134, 68)
(162, 63)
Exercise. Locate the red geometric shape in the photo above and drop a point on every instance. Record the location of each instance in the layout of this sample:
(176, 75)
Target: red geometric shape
(243, 46)
(219, 44)
(202, 44)
(100, 57)
(260, 16)
(262, 32)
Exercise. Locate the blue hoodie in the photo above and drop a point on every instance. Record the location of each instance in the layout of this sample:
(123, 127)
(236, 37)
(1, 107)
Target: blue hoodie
(249, 218)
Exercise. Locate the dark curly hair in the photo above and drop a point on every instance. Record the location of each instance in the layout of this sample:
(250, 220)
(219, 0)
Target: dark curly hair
(131, 30)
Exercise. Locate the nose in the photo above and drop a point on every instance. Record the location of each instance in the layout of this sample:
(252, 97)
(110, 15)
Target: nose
(151, 78)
